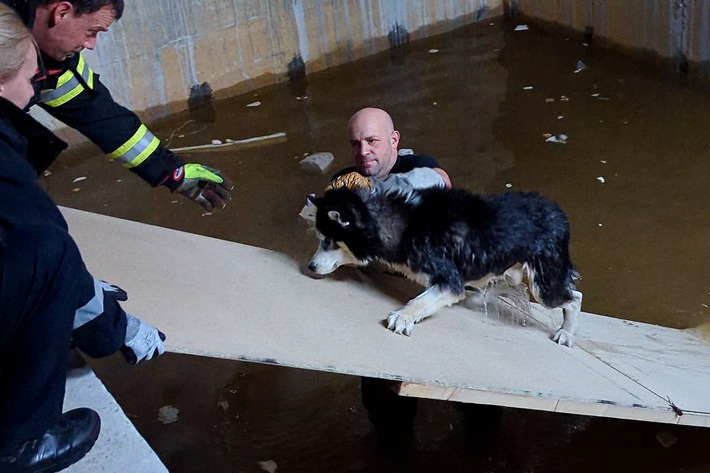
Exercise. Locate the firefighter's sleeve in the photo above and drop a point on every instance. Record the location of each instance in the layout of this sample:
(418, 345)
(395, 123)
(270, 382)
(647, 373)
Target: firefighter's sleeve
(81, 101)
(100, 324)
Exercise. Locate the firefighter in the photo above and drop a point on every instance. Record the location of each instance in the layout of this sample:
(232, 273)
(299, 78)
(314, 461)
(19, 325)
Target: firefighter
(48, 299)
(72, 92)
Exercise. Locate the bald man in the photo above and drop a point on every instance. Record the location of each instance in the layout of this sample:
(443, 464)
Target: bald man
(374, 142)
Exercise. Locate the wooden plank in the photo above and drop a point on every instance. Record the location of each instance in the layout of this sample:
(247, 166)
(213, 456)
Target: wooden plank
(240, 302)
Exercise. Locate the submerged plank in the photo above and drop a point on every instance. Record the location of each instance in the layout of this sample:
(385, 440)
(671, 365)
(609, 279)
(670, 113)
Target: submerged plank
(247, 303)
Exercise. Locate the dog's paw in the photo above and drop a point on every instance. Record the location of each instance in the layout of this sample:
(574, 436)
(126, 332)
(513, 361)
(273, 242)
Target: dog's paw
(563, 337)
(400, 323)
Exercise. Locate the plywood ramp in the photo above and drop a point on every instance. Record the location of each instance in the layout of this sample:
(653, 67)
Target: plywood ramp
(227, 300)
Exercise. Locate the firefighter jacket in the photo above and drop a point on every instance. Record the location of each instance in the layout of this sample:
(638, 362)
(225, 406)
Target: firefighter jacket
(73, 93)
(24, 203)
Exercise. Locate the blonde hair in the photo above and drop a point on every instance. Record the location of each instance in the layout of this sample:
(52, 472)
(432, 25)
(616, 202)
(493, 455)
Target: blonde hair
(15, 38)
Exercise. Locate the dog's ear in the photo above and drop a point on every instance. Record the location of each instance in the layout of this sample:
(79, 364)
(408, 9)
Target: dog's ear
(334, 215)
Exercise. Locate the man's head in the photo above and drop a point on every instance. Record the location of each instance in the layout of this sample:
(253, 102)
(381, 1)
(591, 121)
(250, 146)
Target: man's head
(373, 142)
(64, 28)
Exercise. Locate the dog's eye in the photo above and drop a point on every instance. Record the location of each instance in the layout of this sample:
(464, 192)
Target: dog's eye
(326, 243)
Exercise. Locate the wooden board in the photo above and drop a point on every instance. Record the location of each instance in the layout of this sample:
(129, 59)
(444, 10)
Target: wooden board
(227, 300)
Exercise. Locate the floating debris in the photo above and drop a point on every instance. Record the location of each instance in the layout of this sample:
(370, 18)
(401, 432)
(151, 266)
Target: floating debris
(254, 104)
(580, 67)
(269, 466)
(521, 28)
(549, 100)
(216, 142)
(601, 179)
(550, 138)
(76, 189)
(433, 51)
(560, 117)
(317, 162)
(528, 87)
(78, 179)
(168, 414)
(46, 174)
(434, 103)
(666, 439)
(508, 185)
(223, 404)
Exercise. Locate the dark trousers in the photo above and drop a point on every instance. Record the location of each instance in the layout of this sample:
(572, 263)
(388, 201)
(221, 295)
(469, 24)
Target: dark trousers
(43, 281)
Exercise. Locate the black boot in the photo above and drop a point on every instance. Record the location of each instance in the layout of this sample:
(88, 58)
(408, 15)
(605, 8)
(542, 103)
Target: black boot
(62, 445)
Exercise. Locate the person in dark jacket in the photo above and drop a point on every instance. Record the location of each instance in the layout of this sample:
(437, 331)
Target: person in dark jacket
(72, 92)
(48, 299)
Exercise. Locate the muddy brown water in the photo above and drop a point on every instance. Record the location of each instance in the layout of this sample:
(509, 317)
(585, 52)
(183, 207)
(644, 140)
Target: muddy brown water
(639, 239)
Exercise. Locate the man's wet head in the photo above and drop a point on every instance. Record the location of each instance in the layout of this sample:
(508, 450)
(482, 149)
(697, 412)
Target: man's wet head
(373, 142)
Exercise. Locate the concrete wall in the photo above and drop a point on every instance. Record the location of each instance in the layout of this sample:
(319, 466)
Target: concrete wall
(678, 30)
(161, 49)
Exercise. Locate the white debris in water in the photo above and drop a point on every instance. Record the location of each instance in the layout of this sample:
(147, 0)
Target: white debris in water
(254, 104)
(317, 162)
(508, 185)
(434, 103)
(433, 51)
(269, 466)
(528, 87)
(78, 179)
(580, 67)
(560, 117)
(521, 28)
(601, 225)
(603, 161)
(168, 414)
(601, 179)
(561, 139)
(216, 142)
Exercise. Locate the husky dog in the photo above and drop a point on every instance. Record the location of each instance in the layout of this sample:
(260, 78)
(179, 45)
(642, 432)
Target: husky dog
(447, 239)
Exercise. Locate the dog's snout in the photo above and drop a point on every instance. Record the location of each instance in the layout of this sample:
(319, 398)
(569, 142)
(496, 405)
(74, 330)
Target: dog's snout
(312, 266)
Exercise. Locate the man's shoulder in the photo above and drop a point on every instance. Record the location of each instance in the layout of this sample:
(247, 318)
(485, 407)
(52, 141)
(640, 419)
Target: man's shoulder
(412, 161)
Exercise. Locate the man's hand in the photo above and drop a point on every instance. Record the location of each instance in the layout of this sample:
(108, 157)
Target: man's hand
(143, 341)
(205, 185)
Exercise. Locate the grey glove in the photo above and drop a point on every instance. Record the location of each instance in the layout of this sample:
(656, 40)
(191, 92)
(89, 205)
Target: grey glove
(143, 341)
(406, 182)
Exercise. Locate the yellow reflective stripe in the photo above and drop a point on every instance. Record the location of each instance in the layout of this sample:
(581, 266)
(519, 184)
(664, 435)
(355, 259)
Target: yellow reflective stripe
(137, 148)
(68, 86)
(144, 154)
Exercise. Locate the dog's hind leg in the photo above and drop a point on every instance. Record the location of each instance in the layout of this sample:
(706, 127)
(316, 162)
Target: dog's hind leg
(402, 321)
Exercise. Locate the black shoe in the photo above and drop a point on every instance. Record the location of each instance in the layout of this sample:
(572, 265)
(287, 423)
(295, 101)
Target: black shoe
(63, 445)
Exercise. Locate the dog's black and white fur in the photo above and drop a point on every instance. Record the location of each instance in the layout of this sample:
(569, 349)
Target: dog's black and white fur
(447, 239)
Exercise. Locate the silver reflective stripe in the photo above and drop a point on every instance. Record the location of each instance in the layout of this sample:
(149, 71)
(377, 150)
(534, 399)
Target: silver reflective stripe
(68, 86)
(139, 147)
(93, 308)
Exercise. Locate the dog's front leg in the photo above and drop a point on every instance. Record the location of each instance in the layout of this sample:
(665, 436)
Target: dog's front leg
(570, 312)
(402, 321)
